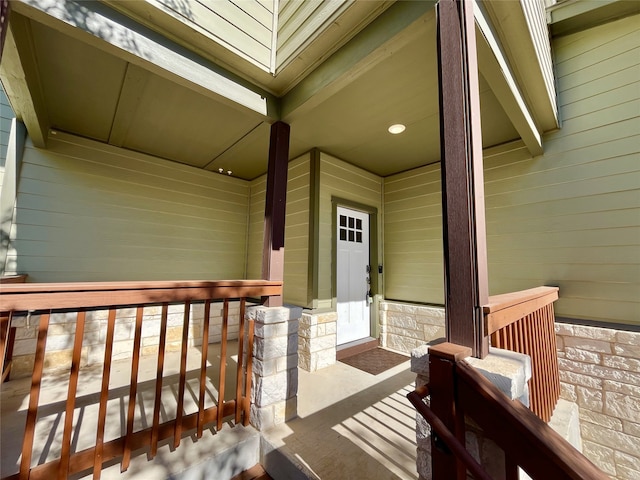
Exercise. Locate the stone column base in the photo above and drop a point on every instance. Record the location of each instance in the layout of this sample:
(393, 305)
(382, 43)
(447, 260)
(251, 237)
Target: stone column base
(275, 365)
(317, 340)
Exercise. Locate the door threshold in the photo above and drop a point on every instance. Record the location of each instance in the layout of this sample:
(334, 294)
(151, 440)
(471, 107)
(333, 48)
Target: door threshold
(357, 346)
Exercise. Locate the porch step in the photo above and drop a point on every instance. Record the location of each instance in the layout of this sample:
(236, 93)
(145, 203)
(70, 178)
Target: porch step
(221, 456)
(358, 346)
(257, 472)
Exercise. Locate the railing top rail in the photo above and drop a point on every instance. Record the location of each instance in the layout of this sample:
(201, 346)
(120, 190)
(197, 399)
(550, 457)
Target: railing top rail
(528, 439)
(506, 300)
(504, 309)
(39, 296)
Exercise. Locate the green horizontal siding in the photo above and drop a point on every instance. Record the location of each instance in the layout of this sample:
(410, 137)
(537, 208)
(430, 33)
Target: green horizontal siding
(413, 236)
(90, 212)
(572, 217)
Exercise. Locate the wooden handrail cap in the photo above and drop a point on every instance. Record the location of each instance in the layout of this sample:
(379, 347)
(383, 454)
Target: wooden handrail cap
(450, 351)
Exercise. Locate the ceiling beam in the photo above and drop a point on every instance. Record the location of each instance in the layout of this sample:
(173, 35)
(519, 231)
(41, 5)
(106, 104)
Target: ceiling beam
(19, 70)
(100, 26)
(394, 28)
(135, 79)
(495, 69)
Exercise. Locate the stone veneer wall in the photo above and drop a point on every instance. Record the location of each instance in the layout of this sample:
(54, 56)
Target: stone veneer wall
(317, 339)
(600, 371)
(404, 326)
(60, 338)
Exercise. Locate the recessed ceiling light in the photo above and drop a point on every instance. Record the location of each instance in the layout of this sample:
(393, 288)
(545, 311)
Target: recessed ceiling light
(397, 128)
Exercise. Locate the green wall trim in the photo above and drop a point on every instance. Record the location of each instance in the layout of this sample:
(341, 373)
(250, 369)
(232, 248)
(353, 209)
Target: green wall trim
(314, 226)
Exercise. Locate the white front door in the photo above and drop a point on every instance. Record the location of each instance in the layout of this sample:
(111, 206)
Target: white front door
(353, 277)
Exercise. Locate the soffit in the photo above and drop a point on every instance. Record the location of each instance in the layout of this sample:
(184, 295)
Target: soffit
(96, 93)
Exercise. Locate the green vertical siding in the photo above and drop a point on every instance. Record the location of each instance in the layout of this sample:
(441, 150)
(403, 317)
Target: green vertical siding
(296, 243)
(341, 180)
(90, 212)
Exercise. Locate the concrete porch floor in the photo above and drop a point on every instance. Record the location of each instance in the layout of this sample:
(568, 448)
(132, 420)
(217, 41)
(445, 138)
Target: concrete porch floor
(350, 424)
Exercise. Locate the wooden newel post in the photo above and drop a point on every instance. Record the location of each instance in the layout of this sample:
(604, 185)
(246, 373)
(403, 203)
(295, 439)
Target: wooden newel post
(442, 382)
(275, 209)
(465, 255)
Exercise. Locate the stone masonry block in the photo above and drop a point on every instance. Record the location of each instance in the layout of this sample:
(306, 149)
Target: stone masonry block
(580, 379)
(628, 338)
(624, 388)
(629, 461)
(271, 348)
(271, 389)
(583, 355)
(592, 345)
(322, 343)
(621, 363)
(622, 406)
(627, 350)
(590, 399)
(602, 456)
(276, 329)
(509, 371)
(262, 417)
(596, 333)
(420, 360)
(599, 419)
(325, 358)
(269, 315)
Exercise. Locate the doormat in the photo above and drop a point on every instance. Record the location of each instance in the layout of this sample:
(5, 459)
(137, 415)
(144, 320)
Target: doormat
(375, 361)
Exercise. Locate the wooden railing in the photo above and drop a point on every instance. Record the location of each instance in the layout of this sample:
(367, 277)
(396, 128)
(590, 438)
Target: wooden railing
(524, 322)
(457, 390)
(47, 299)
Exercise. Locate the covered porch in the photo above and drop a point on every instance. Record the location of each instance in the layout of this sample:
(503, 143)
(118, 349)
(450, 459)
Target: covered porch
(132, 188)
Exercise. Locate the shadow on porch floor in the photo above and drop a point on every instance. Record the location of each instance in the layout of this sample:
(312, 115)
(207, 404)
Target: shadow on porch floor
(350, 424)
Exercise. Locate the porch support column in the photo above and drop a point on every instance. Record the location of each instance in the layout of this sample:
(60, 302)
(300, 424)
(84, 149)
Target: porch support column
(275, 209)
(465, 256)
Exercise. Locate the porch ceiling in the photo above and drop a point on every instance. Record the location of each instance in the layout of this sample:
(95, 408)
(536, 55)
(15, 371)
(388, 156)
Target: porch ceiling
(95, 91)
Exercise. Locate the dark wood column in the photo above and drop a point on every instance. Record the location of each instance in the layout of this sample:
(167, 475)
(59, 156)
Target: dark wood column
(465, 256)
(275, 208)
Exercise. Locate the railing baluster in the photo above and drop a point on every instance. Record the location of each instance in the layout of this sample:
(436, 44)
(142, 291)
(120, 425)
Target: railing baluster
(223, 363)
(183, 375)
(81, 297)
(104, 394)
(553, 351)
(135, 362)
(34, 396)
(71, 397)
(203, 366)
(248, 375)
(536, 361)
(239, 400)
(159, 370)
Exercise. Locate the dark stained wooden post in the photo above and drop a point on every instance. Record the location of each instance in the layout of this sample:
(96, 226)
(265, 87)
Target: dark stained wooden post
(465, 253)
(442, 388)
(275, 209)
